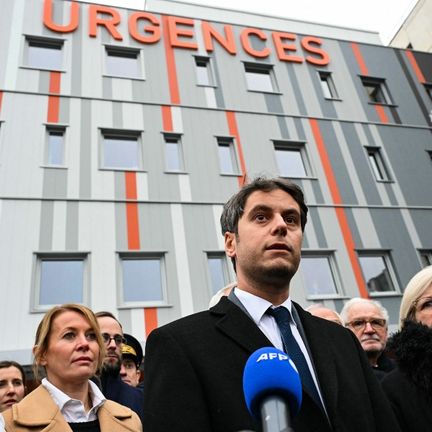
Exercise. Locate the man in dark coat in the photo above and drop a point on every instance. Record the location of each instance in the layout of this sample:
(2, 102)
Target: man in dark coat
(194, 366)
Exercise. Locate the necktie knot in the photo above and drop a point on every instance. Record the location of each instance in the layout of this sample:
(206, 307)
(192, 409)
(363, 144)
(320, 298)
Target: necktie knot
(281, 314)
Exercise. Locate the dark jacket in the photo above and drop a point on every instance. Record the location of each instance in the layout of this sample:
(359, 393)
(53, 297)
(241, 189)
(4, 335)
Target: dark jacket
(409, 387)
(194, 368)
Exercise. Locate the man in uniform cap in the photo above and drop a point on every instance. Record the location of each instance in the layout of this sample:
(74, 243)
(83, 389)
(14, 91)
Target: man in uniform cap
(132, 355)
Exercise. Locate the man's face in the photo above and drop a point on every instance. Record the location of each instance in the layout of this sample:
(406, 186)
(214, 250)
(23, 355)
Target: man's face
(373, 338)
(111, 327)
(129, 372)
(267, 247)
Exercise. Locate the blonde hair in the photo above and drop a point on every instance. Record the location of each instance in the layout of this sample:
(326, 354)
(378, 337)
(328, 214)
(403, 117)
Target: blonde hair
(418, 284)
(44, 329)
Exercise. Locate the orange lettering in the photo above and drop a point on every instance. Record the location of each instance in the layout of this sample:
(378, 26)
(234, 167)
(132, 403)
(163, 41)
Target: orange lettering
(307, 44)
(175, 32)
(244, 37)
(74, 18)
(109, 23)
(209, 32)
(281, 47)
(154, 30)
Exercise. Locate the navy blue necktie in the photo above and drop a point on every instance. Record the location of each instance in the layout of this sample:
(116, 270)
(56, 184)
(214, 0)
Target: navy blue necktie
(283, 319)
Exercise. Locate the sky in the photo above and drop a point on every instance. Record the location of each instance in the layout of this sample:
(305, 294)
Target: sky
(383, 16)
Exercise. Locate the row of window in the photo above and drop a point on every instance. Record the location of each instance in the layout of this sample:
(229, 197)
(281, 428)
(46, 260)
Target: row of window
(63, 278)
(123, 150)
(127, 62)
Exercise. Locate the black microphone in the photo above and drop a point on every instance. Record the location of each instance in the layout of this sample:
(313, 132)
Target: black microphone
(272, 389)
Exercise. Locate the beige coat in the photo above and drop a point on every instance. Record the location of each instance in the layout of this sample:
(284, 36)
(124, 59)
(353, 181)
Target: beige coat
(37, 412)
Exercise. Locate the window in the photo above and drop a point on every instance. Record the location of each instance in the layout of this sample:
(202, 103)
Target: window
(60, 278)
(227, 156)
(428, 88)
(290, 159)
(377, 271)
(426, 257)
(173, 152)
(318, 275)
(121, 150)
(377, 164)
(55, 146)
(260, 77)
(123, 62)
(327, 85)
(142, 279)
(44, 53)
(203, 71)
(218, 271)
(376, 91)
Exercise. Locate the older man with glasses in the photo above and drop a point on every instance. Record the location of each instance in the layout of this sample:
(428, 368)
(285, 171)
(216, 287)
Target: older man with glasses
(368, 320)
(113, 386)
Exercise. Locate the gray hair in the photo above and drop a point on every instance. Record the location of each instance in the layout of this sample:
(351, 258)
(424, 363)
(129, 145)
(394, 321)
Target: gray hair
(358, 300)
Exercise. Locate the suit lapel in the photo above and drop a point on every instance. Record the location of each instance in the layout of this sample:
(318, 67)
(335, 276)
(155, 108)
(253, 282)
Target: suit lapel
(238, 326)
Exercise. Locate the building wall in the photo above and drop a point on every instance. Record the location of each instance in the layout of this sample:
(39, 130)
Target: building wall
(104, 213)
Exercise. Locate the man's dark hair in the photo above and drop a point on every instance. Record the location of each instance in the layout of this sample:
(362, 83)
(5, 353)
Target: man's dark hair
(234, 207)
(106, 314)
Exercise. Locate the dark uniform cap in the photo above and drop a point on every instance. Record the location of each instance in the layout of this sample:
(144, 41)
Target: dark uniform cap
(132, 349)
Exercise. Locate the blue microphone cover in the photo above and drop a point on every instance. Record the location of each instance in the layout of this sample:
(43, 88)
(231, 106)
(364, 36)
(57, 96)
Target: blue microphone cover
(270, 372)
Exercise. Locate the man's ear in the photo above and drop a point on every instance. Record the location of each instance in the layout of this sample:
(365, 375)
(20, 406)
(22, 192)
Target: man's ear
(230, 244)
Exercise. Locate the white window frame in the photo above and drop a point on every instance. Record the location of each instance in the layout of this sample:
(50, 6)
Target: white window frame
(39, 257)
(377, 164)
(127, 52)
(178, 138)
(226, 273)
(121, 134)
(231, 144)
(329, 256)
(386, 258)
(327, 85)
(140, 255)
(381, 86)
(262, 69)
(209, 70)
(298, 146)
(47, 43)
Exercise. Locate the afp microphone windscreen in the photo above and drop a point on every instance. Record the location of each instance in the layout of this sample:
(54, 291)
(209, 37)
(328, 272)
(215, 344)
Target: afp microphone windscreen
(270, 372)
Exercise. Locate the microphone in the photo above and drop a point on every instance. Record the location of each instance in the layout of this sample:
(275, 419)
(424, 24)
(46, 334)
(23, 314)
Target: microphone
(272, 389)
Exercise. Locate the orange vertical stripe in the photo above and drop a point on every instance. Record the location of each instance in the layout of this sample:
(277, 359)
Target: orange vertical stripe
(381, 114)
(132, 212)
(54, 101)
(359, 58)
(1, 100)
(150, 320)
(171, 66)
(415, 66)
(233, 130)
(340, 212)
(167, 122)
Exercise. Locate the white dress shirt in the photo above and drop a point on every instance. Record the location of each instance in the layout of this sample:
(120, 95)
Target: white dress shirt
(73, 410)
(257, 307)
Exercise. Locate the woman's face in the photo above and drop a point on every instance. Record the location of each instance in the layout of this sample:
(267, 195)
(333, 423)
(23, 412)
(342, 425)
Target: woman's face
(73, 351)
(423, 311)
(11, 387)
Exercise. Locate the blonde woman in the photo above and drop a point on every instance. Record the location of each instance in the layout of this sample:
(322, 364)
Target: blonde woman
(70, 348)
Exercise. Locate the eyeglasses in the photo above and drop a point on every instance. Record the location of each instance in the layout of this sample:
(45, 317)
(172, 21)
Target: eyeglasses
(118, 339)
(423, 303)
(360, 324)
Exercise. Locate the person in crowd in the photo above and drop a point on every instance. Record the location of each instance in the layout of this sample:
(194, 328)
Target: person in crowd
(409, 386)
(368, 320)
(69, 347)
(132, 356)
(320, 311)
(112, 385)
(194, 366)
(12, 384)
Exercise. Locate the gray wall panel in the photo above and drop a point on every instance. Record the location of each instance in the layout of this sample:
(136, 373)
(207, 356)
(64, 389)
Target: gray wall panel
(46, 225)
(85, 161)
(72, 225)
(54, 183)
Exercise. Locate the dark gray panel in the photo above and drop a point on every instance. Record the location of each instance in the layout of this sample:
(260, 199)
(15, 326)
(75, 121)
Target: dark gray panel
(318, 227)
(274, 103)
(55, 183)
(283, 127)
(119, 185)
(64, 114)
(85, 187)
(72, 225)
(44, 79)
(107, 88)
(76, 75)
(220, 102)
(117, 113)
(120, 227)
(357, 237)
(297, 90)
(389, 187)
(422, 222)
(363, 170)
(46, 225)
